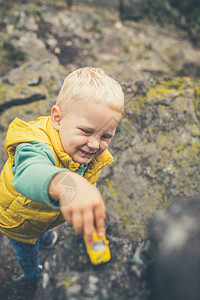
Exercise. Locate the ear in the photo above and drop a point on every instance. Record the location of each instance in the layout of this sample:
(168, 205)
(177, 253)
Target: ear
(55, 117)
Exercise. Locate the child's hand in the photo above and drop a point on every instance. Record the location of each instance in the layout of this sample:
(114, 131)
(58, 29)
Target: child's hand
(84, 207)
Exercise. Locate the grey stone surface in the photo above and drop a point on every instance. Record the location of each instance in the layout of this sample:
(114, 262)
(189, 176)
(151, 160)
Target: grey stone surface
(156, 147)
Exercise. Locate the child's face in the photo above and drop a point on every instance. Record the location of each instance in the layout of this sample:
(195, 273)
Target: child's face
(85, 130)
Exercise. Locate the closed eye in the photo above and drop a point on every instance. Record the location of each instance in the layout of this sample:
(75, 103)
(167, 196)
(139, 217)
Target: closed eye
(106, 137)
(86, 131)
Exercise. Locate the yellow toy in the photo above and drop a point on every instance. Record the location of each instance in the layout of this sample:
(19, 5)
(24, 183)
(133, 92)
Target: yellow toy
(99, 251)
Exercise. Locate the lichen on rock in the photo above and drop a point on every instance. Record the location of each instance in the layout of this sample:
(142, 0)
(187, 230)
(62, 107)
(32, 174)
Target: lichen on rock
(156, 151)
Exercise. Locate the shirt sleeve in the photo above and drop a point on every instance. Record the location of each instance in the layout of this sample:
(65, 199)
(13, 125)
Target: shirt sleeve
(33, 170)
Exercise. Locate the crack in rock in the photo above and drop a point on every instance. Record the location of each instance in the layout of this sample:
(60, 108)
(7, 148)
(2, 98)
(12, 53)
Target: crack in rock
(21, 101)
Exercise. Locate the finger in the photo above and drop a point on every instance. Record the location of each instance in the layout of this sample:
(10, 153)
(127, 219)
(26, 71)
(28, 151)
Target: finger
(88, 226)
(77, 222)
(67, 215)
(99, 213)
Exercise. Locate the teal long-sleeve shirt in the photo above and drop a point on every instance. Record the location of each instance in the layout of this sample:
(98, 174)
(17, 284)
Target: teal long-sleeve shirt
(33, 170)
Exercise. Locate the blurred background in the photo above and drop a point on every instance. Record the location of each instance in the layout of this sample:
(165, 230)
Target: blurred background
(157, 36)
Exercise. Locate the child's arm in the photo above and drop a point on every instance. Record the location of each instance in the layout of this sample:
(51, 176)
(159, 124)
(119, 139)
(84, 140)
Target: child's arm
(34, 169)
(87, 207)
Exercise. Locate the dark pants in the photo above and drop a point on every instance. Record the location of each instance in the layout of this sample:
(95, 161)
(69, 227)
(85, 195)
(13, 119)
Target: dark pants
(27, 255)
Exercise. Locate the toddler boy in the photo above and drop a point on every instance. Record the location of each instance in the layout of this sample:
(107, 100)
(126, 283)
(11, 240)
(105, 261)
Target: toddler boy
(53, 165)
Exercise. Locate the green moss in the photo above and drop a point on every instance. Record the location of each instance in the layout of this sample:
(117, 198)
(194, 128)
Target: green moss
(9, 55)
(197, 24)
(179, 83)
(22, 88)
(176, 88)
(3, 92)
(126, 49)
(158, 92)
(116, 264)
(137, 44)
(95, 25)
(68, 282)
(113, 191)
(91, 52)
(6, 7)
(196, 101)
(136, 105)
(31, 11)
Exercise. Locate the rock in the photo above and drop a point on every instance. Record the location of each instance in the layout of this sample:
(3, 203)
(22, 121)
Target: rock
(185, 6)
(73, 276)
(156, 154)
(20, 99)
(156, 147)
(26, 21)
(156, 144)
(85, 36)
(190, 69)
(45, 280)
(175, 234)
(27, 42)
(159, 11)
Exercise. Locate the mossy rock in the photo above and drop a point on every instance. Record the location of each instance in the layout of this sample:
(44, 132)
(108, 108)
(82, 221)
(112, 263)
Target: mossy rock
(19, 98)
(156, 150)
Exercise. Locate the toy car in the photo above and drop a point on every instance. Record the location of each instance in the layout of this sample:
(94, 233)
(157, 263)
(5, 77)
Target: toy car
(99, 251)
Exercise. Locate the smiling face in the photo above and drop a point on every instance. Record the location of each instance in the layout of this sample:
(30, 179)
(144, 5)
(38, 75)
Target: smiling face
(85, 130)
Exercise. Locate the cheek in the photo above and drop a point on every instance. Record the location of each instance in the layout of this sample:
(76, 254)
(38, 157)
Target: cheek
(76, 141)
(80, 140)
(104, 145)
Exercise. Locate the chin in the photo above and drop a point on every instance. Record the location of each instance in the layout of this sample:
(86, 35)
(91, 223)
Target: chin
(85, 161)
(82, 160)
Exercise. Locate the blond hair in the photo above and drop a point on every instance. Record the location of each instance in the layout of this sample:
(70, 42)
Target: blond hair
(90, 84)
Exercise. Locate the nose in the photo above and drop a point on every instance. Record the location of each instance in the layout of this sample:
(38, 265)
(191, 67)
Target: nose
(93, 142)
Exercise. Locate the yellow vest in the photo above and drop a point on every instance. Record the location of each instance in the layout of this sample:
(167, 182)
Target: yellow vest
(23, 219)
